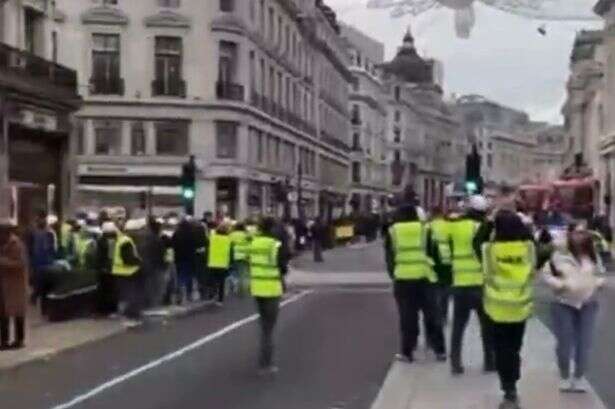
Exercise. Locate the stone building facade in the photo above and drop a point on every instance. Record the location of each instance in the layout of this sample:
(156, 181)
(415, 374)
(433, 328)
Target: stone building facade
(256, 90)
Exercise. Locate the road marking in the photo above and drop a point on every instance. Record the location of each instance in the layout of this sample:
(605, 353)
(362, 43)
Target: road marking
(169, 357)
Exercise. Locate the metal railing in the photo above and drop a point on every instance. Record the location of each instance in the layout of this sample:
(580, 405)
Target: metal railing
(107, 86)
(34, 67)
(169, 88)
(230, 91)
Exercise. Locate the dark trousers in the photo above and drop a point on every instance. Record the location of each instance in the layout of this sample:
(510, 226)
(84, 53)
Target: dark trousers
(317, 247)
(185, 277)
(413, 296)
(466, 300)
(19, 325)
(268, 309)
(507, 344)
(130, 293)
(217, 284)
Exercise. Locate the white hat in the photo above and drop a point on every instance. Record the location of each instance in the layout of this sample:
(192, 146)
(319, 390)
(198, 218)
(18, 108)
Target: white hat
(479, 203)
(52, 219)
(135, 224)
(80, 222)
(94, 230)
(109, 227)
(173, 221)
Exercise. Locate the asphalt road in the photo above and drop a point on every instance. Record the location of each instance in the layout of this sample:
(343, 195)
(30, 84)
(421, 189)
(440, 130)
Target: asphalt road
(361, 258)
(334, 351)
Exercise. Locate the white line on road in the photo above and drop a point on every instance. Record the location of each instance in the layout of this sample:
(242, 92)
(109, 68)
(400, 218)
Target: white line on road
(169, 357)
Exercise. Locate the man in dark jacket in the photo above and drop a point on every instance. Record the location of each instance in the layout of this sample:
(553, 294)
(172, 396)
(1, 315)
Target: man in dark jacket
(154, 265)
(184, 247)
(319, 235)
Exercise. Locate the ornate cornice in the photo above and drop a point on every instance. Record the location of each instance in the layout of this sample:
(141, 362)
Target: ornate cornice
(167, 18)
(105, 16)
(229, 23)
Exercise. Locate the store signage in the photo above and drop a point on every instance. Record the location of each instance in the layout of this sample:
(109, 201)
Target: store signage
(38, 120)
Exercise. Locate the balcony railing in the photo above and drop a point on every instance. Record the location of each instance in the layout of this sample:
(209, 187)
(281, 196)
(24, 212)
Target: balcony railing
(31, 66)
(230, 91)
(107, 86)
(169, 88)
(277, 110)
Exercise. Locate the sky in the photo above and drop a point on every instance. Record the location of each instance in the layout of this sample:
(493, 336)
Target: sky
(505, 59)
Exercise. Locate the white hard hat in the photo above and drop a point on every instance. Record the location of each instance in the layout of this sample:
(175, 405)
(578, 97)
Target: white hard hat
(173, 221)
(109, 227)
(52, 219)
(135, 224)
(478, 203)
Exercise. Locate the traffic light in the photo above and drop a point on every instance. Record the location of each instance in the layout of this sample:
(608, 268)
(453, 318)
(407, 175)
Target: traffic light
(474, 181)
(188, 188)
(471, 187)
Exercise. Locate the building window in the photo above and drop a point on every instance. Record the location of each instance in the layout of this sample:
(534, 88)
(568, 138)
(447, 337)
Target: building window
(172, 4)
(271, 24)
(490, 160)
(137, 139)
(80, 138)
(355, 115)
(54, 46)
(227, 63)
(260, 147)
(356, 172)
(356, 141)
(397, 156)
(355, 85)
(397, 116)
(168, 56)
(226, 139)
(252, 10)
(109, 2)
(396, 135)
(172, 138)
(227, 5)
(106, 65)
(108, 138)
(262, 15)
(397, 93)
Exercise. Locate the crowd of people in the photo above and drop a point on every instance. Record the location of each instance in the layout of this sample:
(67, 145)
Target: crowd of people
(486, 256)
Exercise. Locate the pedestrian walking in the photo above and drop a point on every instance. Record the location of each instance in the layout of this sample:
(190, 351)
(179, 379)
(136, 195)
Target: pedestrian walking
(154, 265)
(468, 283)
(201, 238)
(105, 249)
(126, 269)
(268, 261)
(13, 287)
(241, 244)
(574, 279)
(220, 259)
(408, 252)
(40, 242)
(440, 233)
(509, 263)
(184, 250)
(319, 233)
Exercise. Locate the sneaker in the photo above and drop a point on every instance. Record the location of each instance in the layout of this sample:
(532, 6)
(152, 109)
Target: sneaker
(565, 385)
(580, 385)
(509, 404)
(268, 370)
(404, 358)
(457, 370)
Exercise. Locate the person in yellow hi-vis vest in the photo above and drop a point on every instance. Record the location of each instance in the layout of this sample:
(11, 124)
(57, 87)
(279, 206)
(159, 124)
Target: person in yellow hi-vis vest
(241, 244)
(409, 251)
(220, 259)
(468, 283)
(440, 234)
(125, 269)
(268, 260)
(509, 265)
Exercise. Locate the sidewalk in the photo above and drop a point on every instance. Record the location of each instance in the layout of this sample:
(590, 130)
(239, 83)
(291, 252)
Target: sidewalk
(429, 385)
(45, 339)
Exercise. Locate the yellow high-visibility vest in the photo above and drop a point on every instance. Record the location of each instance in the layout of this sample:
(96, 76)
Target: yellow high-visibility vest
(66, 231)
(219, 255)
(508, 290)
(409, 241)
(467, 268)
(265, 275)
(82, 245)
(241, 245)
(441, 235)
(119, 267)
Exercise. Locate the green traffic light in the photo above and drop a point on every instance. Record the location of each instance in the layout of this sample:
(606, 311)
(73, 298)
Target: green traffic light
(471, 186)
(188, 194)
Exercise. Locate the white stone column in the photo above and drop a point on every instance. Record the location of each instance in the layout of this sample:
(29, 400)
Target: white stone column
(242, 199)
(89, 142)
(125, 142)
(150, 138)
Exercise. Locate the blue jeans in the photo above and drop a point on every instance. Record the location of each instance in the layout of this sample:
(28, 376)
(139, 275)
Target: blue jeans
(574, 329)
(185, 277)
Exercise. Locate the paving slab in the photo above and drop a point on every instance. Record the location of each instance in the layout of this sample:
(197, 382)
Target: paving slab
(429, 385)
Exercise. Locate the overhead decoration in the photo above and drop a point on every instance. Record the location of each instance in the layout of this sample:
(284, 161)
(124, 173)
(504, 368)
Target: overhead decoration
(465, 19)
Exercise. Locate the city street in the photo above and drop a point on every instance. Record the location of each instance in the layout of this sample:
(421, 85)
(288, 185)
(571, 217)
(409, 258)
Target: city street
(335, 350)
